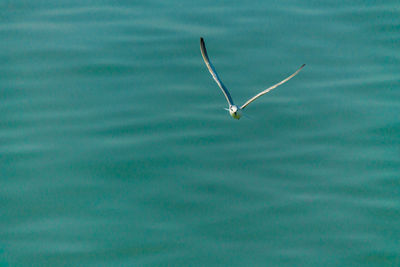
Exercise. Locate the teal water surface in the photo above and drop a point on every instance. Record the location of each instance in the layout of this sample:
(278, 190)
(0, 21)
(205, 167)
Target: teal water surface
(116, 150)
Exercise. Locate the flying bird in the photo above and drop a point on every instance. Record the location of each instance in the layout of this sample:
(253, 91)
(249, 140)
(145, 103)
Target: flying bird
(236, 111)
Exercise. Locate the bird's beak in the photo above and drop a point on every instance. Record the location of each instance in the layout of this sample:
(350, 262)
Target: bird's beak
(227, 109)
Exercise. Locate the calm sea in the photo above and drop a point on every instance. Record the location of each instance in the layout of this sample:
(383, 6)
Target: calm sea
(115, 149)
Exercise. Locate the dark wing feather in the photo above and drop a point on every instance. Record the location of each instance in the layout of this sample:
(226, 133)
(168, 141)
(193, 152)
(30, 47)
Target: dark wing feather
(213, 72)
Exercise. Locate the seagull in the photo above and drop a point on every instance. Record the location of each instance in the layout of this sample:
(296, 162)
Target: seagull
(236, 111)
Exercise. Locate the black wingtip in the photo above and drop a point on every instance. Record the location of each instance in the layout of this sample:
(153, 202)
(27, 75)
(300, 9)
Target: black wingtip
(302, 65)
(203, 46)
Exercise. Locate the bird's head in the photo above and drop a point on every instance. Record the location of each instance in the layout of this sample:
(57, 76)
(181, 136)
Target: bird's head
(235, 112)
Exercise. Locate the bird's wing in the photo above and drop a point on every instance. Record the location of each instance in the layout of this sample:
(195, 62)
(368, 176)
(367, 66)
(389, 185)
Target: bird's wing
(270, 88)
(214, 74)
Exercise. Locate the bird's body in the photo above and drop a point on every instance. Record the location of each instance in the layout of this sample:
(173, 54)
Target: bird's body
(235, 111)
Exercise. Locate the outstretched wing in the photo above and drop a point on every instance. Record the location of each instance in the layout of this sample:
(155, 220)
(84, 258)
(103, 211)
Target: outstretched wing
(272, 87)
(214, 74)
